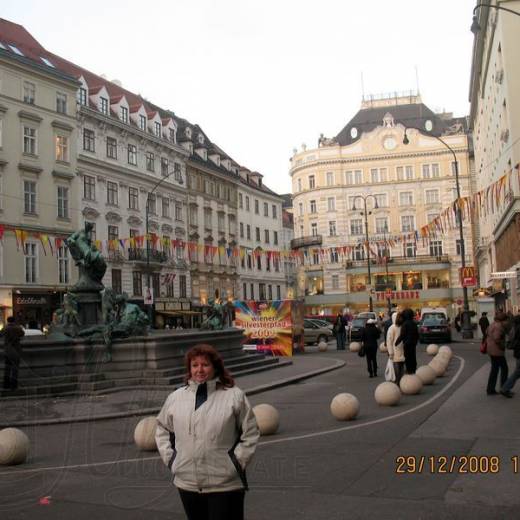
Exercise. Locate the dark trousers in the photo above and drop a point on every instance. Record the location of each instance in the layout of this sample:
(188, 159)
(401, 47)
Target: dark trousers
(508, 385)
(399, 371)
(11, 372)
(497, 363)
(372, 362)
(228, 505)
(341, 338)
(410, 359)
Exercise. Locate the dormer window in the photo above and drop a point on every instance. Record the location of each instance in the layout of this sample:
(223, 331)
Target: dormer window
(82, 96)
(142, 123)
(15, 49)
(172, 135)
(124, 114)
(188, 132)
(201, 139)
(103, 105)
(47, 62)
(157, 127)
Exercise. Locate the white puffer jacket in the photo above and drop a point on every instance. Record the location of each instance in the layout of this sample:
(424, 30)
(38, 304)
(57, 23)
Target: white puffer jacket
(207, 449)
(393, 333)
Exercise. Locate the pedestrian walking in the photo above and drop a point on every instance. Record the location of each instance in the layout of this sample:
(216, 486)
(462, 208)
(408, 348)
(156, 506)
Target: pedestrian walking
(483, 324)
(515, 345)
(457, 321)
(496, 346)
(396, 351)
(371, 334)
(12, 334)
(206, 435)
(408, 336)
(340, 332)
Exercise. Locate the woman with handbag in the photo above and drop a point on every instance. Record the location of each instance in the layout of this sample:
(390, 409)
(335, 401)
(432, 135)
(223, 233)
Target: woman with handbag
(396, 352)
(496, 347)
(370, 336)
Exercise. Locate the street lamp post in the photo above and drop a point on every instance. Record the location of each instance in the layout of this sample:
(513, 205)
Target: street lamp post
(388, 298)
(467, 330)
(475, 26)
(147, 220)
(365, 213)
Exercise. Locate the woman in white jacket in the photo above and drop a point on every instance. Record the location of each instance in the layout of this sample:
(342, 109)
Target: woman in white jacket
(396, 352)
(206, 435)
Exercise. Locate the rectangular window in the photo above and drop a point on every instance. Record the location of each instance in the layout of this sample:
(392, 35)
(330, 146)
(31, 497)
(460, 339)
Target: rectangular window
(89, 140)
(299, 185)
(241, 230)
(406, 198)
(92, 231)
(63, 264)
(257, 207)
(156, 284)
(182, 286)
(133, 198)
(63, 202)
(142, 123)
(113, 232)
(356, 226)
(103, 105)
(300, 206)
(29, 140)
(178, 211)
(150, 161)
(221, 222)
(312, 182)
(61, 103)
(248, 232)
(270, 291)
(435, 247)
(407, 223)
(313, 206)
(249, 261)
(330, 178)
(137, 283)
(62, 148)
(278, 293)
(410, 251)
(426, 171)
(275, 211)
(382, 225)
(82, 96)
(111, 148)
(31, 262)
(112, 193)
(266, 209)
(314, 229)
(29, 197)
(252, 293)
(152, 204)
(171, 133)
(382, 200)
(261, 290)
(124, 114)
(89, 187)
(157, 127)
(257, 234)
(275, 238)
(331, 204)
(335, 281)
(266, 233)
(240, 201)
(334, 257)
(457, 247)
(29, 92)
(409, 173)
(244, 291)
(164, 166)
(247, 203)
(432, 196)
(435, 171)
(354, 177)
(117, 284)
(208, 218)
(399, 173)
(332, 228)
(165, 207)
(132, 154)
(374, 175)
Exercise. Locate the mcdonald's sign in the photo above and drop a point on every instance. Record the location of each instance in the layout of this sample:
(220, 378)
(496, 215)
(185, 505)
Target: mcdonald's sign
(467, 276)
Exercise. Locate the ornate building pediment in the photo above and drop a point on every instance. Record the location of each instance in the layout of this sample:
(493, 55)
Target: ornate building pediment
(153, 226)
(132, 220)
(180, 231)
(90, 213)
(166, 228)
(222, 241)
(209, 238)
(112, 217)
(194, 236)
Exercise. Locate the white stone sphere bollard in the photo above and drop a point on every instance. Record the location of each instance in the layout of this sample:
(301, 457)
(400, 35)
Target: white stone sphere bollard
(426, 374)
(344, 407)
(432, 349)
(383, 347)
(14, 446)
(323, 346)
(387, 394)
(267, 418)
(446, 351)
(411, 384)
(355, 346)
(144, 434)
(438, 367)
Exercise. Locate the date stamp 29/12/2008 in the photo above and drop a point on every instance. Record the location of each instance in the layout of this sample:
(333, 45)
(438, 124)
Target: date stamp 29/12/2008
(454, 464)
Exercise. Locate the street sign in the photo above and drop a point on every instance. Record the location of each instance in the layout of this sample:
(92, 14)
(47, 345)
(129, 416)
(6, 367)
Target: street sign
(459, 302)
(467, 276)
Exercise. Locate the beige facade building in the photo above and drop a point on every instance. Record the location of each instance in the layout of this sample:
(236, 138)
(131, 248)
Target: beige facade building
(495, 123)
(406, 186)
(38, 182)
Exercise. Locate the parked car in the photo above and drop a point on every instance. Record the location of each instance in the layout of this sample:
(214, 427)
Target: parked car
(369, 315)
(356, 328)
(434, 328)
(323, 323)
(313, 333)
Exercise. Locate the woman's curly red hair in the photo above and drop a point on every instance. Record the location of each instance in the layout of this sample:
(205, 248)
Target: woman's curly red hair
(213, 356)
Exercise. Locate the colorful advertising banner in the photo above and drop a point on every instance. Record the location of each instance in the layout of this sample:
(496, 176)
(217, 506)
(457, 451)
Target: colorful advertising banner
(273, 326)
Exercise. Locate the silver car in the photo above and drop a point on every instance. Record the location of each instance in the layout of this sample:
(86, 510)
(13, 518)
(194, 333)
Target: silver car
(314, 333)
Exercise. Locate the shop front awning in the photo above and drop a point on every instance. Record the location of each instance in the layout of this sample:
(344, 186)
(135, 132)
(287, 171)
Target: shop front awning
(178, 313)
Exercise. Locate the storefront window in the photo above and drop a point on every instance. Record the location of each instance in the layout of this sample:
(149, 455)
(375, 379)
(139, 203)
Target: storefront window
(358, 283)
(383, 282)
(412, 281)
(438, 280)
(314, 284)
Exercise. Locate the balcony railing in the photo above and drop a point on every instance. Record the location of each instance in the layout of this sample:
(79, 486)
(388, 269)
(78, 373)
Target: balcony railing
(139, 255)
(399, 260)
(312, 240)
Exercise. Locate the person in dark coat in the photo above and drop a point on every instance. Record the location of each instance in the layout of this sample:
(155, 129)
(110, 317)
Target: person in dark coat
(371, 334)
(13, 352)
(340, 332)
(496, 349)
(409, 336)
(515, 345)
(483, 324)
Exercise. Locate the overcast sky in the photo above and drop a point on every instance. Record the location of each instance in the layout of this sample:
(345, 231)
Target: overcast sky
(263, 77)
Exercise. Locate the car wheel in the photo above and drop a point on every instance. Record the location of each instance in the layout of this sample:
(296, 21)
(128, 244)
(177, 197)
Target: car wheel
(321, 338)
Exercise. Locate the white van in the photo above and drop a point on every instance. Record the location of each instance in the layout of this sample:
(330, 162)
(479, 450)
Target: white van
(434, 311)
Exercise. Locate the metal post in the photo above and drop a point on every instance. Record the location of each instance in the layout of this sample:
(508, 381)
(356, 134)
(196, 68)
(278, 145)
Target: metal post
(371, 307)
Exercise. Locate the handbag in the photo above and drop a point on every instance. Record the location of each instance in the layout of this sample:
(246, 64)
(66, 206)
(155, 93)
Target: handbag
(483, 346)
(361, 351)
(389, 371)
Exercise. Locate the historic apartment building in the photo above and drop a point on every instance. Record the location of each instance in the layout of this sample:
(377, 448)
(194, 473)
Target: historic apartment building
(260, 235)
(38, 183)
(495, 123)
(406, 186)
